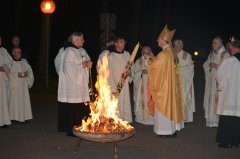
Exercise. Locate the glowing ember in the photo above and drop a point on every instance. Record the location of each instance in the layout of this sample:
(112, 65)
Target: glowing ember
(104, 116)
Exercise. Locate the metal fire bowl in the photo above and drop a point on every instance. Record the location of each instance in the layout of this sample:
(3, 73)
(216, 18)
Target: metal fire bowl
(103, 137)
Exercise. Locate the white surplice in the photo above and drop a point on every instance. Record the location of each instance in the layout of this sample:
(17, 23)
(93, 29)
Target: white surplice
(140, 79)
(228, 78)
(59, 58)
(5, 60)
(73, 78)
(20, 104)
(116, 65)
(211, 95)
(187, 69)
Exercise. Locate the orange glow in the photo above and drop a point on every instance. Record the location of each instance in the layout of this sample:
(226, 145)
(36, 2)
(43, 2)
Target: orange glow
(48, 6)
(104, 116)
(195, 53)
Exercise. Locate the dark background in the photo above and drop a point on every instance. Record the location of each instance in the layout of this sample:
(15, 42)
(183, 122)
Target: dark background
(197, 23)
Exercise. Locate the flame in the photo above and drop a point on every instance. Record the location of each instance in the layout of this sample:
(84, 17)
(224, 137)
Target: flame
(104, 116)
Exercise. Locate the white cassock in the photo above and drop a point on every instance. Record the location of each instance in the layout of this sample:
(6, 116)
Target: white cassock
(20, 104)
(165, 126)
(211, 96)
(141, 109)
(5, 60)
(228, 78)
(116, 65)
(187, 70)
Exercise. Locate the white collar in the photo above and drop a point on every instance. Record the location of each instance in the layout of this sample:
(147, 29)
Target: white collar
(222, 49)
(180, 53)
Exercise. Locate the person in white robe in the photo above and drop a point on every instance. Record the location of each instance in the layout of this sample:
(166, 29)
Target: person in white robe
(187, 70)
(5, 60)
(117, 60)
(73, 88)
(21, 80)
(228, 78)
(62, 109)
(215, 59)
(140, 80)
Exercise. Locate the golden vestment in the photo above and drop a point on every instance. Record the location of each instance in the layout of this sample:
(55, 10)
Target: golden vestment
(165, 84)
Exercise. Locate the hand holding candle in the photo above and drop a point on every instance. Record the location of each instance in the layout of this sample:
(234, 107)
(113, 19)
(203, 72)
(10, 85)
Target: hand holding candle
(126, 70)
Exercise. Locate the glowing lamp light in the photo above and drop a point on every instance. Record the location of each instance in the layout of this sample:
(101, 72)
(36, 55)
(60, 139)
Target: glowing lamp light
(195, 53)
(47, 6)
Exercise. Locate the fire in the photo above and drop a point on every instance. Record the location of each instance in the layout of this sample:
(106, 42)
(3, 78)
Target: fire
(104, 116)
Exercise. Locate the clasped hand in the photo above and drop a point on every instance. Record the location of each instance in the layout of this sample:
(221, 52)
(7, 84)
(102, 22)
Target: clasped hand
(87, 64)
(144, 71)
(213, 65)
(2, 69)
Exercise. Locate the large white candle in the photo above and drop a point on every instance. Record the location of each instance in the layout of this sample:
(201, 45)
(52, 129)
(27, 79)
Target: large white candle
(134, 53)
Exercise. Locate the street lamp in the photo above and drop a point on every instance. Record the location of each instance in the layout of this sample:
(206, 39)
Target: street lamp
(195, 53)
(47, 7)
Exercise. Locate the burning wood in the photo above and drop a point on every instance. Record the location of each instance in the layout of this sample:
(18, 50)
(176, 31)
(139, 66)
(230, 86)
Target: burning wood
(104, 116)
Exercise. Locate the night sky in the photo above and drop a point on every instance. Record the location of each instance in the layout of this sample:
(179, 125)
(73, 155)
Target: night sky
(197, 23)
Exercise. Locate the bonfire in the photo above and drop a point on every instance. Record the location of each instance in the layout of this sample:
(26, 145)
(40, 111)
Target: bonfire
(104, 116)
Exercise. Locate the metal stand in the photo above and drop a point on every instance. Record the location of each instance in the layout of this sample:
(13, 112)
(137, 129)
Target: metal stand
(47, 45)
(77, 145)
(115, 149)
(91, 93)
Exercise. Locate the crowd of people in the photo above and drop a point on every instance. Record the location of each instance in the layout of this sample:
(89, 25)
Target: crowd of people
(163, 91)
(16, 78)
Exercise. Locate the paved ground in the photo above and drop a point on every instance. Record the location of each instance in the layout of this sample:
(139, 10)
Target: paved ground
(39, 139)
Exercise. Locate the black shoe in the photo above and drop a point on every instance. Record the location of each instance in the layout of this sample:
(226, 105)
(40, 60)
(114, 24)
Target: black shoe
(162, 136)
(169, 136)
(226, 146)
(5, 126)
(174, 134)
(235, 145)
